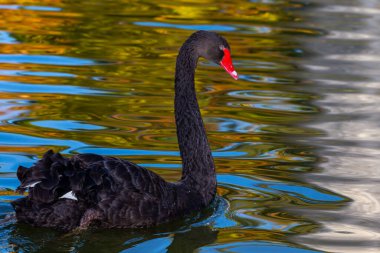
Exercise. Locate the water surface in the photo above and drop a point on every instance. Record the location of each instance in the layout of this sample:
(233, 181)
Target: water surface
(295, 139)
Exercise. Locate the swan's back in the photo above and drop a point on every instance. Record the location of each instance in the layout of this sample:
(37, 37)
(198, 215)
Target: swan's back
(105, 191)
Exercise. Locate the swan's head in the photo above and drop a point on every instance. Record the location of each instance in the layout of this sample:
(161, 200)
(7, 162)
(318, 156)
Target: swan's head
(215, 48)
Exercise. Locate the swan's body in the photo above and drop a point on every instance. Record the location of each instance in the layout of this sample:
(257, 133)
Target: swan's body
(89, 189)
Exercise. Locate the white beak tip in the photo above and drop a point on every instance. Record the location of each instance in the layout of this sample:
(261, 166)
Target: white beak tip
(234, 74)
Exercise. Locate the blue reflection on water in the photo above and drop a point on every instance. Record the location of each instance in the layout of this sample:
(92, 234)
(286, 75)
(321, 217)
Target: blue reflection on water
(45, 59)
(18, 87)
(9, 182)
(251, 247)
(40, 8)
(10, 162)
(304, 193)
(66, 125)
(220, 217)
(141, 152)
(6, 38)
(7, 72)
(238, 126)
(154, 245)
(208, 27)
(30, 7)
(21, 140)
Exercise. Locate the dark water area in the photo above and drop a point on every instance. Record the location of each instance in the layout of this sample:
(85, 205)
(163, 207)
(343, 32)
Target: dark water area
(296, 139)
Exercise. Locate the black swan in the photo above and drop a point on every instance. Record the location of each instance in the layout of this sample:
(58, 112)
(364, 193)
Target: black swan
(92, 190)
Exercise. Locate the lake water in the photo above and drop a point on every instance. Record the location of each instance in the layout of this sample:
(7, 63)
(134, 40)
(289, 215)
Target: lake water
(296, 139)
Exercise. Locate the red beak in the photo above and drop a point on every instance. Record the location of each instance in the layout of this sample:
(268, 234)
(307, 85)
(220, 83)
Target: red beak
(226, 63)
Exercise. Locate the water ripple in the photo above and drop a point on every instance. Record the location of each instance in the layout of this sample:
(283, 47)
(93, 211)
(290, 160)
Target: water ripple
(12, 108)
(354, 57)
(351, 9)
(29, 7)
(6, 72)
(6, 38)
(21, 140)
(255, 247)
(66, 125)
(209, 27)
(143, 152)
(234, 125)
(18, 87)
(10, 162)
(295, 193)
(45, 59)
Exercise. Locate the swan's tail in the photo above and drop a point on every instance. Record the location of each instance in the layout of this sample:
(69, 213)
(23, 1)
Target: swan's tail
(47, 181)
(61, 190)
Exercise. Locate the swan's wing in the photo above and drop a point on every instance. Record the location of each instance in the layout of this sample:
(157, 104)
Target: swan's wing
(126, 194)
(88, 177)
(112, 175)
(65, 188)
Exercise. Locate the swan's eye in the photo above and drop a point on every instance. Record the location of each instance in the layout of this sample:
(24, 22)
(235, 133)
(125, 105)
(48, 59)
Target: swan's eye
(221, 47)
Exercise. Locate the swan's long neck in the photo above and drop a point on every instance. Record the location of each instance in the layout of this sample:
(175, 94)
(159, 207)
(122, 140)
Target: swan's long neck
(198, 165)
